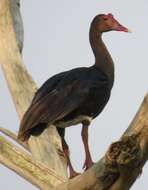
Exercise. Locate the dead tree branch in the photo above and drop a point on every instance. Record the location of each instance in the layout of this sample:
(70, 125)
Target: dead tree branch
(13, 136)
(22, 86)
(117, 170)
(122, 163)
(24, 165)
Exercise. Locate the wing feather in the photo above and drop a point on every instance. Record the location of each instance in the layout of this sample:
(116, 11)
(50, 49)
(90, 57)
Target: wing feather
(54, 106)
(59, 96)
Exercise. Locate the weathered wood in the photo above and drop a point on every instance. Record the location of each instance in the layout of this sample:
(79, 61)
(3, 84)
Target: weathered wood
(122, 163)
(24, 165)
(13, 136)
(17, 22)
(117, 170)
(138, 129)
(22, 86)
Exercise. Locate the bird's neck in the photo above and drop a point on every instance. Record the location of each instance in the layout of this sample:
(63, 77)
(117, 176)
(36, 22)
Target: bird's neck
(103, 59)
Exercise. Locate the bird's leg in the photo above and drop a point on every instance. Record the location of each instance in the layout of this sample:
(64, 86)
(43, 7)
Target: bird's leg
(65, 147)
(66, 151)
(72, 172)
(88, 160)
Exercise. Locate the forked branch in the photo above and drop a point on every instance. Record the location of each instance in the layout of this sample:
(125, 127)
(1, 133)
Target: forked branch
(24, 165)
(22, 87)
(13, 136)
(122, 163)
(117, 170)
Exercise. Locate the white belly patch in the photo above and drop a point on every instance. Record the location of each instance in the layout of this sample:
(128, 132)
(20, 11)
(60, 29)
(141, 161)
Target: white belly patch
(75, 121)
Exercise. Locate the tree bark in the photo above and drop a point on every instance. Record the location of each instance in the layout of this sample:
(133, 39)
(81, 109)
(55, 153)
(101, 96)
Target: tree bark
(122, 163)
(13, 136)
(45, 167)
(22, 87)
(27, 167)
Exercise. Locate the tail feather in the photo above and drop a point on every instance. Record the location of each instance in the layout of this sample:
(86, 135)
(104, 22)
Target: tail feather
(35, 131)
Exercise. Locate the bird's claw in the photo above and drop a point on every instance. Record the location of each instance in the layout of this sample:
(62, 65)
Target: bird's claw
(88, 164)
(74, 174)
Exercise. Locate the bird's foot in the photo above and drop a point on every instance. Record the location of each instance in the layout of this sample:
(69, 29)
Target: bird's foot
(88, 164)
(73, 174)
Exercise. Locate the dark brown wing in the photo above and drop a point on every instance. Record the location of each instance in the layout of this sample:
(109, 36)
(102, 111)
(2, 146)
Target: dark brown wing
(48, 86)
(54, 105)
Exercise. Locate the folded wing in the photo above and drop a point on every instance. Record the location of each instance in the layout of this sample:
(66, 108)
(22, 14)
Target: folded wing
(54, 105)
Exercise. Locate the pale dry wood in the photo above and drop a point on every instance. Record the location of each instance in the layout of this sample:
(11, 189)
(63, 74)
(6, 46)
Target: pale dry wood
(13, 136)
(123, 162)
(139, 128)
(24, 165)
(17, 22)
(22, 88)
(112, 172)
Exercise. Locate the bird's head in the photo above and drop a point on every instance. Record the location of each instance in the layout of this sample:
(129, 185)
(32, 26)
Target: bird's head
(107, 22)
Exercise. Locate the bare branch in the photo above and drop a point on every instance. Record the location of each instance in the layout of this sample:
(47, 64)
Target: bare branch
(122, 163)
(22, 86)
(17, 22)
(118, 169)
(24, 165)
(13, 136)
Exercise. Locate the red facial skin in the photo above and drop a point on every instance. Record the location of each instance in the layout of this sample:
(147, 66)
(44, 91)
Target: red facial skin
(116, 25)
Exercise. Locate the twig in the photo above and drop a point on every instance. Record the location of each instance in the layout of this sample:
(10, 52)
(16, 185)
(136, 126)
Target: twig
(13, 136)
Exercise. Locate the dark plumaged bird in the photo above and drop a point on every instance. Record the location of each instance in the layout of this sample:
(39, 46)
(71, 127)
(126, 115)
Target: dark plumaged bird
(75, 96)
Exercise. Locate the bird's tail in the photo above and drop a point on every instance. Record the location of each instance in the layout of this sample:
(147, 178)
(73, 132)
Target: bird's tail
(35, 131)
